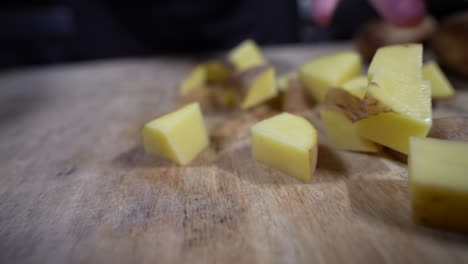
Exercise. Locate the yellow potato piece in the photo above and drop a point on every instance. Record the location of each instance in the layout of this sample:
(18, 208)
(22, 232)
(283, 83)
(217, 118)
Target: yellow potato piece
(438, 183)
(398, 101)
(391, 129)
(341, 133)
(288, 143)
(246, 55)
(333, 70)
(440, 86)
(260, 87)
(357, 86)
(401, 58)
(178, 136)
(395, 80)
(194, 80)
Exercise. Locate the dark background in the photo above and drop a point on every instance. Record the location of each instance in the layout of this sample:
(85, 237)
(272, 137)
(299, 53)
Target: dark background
(49, 31)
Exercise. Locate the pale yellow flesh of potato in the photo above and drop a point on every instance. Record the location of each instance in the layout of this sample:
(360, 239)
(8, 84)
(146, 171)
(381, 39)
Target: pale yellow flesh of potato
(398, 100)
(440, 86)
(391, 129)
(259, 86)
(341, 133)
(246, 55)
(286, 142)
(196, 79)
(438, 183)
(327, 71)
(357, 86)
(178, 136)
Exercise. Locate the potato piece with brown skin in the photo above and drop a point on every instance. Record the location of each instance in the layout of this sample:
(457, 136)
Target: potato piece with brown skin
(214, 97)
(398, 102)
(217, 71)
(203, 74)
(292, 96)
(352, 107)
(342, 101)
(295, 97)
(340, 110)
(246, 89)
(450, 43)
(256, 85)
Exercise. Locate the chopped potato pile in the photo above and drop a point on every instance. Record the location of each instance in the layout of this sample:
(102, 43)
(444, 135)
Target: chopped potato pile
(389, 107)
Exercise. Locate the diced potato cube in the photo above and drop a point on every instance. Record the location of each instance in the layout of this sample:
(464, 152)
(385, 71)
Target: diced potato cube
(438, 183)
(257, 85)
(400, 58)
(341, 133)
(246, 55)
(398, 101)
(395, 80)
(178, 136)
(392, 130)
(357, 86)
(440, 86)
(194, 80)
(288, 143)
(319, 74)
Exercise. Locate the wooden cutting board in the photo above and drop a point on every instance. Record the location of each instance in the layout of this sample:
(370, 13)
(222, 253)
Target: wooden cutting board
(76, 186)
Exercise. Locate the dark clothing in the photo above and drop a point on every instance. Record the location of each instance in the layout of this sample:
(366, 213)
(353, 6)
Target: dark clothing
(47, 31)
(86, 29)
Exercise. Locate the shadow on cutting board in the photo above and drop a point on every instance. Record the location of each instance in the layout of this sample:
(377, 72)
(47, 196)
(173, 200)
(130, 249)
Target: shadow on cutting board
(328, 161)
(240, 162)
(136, 157)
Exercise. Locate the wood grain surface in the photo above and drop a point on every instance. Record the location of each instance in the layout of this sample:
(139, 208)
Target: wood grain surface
(76, 186)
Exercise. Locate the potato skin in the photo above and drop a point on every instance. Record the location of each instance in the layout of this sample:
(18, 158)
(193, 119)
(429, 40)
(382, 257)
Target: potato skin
(450, 43)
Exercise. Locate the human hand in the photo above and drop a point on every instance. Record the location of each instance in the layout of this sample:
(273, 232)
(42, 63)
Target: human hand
(399, 12)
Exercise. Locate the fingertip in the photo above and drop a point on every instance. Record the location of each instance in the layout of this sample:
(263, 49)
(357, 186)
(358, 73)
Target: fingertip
(322, 11)
(404, 13)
